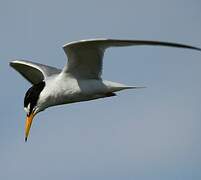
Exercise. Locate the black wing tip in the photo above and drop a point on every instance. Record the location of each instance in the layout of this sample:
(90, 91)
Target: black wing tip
(12, 63)
(188, 47)
(170, 44)
(196, 48)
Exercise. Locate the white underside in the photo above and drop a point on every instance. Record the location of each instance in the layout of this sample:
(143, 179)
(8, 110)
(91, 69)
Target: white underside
(64, 89)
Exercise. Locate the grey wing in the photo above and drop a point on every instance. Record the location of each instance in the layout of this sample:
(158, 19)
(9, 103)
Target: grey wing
(85, 57)
(33, 72)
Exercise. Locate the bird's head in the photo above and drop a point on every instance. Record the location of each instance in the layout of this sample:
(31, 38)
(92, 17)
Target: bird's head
(32, 105)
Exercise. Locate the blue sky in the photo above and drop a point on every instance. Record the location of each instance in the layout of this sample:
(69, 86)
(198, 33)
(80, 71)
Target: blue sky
(146, 134)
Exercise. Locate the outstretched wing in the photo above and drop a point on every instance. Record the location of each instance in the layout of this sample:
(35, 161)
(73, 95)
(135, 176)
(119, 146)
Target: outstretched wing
(85, 57)
(33, 72)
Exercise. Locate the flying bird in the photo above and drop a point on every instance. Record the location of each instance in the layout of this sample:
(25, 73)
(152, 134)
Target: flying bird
(79, 80)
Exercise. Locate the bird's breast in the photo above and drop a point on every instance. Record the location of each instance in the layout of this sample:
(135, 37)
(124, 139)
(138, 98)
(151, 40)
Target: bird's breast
(69, 90)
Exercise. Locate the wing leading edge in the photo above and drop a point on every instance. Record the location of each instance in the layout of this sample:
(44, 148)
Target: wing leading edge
(85, 57)
(33, 72)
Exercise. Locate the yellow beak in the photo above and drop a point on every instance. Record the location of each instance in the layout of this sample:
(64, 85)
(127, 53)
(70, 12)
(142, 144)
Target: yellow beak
(28, 123)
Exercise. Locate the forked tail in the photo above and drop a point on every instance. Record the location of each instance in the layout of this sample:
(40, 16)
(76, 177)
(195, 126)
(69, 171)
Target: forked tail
(113, 86)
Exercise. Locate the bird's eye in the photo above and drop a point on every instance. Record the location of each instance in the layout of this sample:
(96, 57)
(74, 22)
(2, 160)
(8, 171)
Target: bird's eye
(31, 97)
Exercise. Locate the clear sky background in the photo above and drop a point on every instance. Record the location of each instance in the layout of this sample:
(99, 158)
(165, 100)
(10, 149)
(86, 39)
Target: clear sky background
(146, 134)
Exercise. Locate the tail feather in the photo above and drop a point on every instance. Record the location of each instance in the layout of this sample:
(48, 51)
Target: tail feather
(113, 86)
(135, 87)
(128, 87)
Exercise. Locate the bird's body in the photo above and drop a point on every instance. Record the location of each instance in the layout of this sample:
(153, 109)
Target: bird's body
(79, 80)
(65, 89)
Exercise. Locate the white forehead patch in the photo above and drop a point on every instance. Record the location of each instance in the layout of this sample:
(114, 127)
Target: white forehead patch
(27, 109)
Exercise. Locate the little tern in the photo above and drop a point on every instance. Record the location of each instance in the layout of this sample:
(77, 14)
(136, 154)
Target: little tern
(79, 80)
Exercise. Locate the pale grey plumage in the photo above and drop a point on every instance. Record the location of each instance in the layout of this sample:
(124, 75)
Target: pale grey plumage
(33, 72)
(85, 59)
(80, 79)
